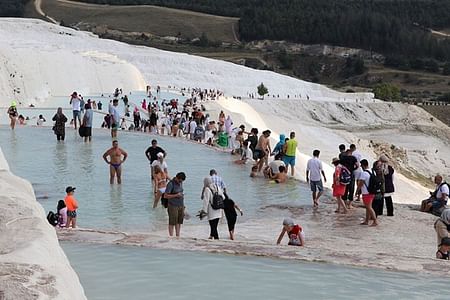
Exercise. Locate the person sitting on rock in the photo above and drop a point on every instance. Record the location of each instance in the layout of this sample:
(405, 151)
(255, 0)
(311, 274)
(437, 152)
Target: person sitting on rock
(438, 199)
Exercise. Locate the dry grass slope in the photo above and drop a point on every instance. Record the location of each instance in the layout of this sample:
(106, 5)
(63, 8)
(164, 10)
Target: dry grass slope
(159, 21)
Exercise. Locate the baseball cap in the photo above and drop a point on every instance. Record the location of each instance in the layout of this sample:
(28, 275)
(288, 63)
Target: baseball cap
(70, 189)
(160, 154)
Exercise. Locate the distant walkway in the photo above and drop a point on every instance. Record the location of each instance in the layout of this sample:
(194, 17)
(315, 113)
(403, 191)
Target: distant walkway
(38, 7)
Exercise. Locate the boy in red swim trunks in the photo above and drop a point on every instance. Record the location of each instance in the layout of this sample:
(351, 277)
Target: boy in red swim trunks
(294, 231)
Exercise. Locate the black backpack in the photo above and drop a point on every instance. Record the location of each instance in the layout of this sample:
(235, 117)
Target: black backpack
(345, 177)
(52, 218)
(375, 183)
(217, 201)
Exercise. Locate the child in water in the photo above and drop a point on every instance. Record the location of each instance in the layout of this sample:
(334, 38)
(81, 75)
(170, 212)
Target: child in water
(254, 172)
(230, 213)
(62, 214)
(444, 248)
(294, 231)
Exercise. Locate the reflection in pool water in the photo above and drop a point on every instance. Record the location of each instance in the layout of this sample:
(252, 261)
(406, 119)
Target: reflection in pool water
(34, 154)
(111, 272)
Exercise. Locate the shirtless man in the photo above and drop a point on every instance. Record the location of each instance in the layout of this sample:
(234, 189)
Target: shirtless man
(281, 176)
(115, 161)
(262, 149)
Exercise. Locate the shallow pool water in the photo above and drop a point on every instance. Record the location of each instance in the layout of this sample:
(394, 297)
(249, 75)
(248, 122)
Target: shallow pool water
(63, 101)
(34, 154)
(111, 272)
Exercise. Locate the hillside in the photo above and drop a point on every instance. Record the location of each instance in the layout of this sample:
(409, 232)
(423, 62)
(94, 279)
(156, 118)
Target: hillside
(148, 20)
(385, 26)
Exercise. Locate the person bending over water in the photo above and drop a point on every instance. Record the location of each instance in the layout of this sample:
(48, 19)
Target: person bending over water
(294, 231)
(115, 161)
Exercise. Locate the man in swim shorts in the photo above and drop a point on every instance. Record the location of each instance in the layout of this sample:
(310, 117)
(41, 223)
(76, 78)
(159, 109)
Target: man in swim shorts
(262, 149)
(115, 161)
(290, 147)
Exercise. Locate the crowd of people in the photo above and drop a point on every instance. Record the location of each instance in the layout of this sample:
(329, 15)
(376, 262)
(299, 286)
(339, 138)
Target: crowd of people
(354, 178)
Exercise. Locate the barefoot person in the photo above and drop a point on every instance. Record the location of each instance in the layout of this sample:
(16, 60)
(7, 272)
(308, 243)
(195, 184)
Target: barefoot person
(115, 161)
(262, 149)
(294, 232)
(338, 188)
(281, 176)
(12, 113)
(72, 206)
(175, 209)
(160, 181)
(363, 188)
(289, 149)
(314, 173)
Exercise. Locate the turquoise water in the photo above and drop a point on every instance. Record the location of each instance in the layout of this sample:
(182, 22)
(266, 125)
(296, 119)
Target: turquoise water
(34, 154)
(111, 272)
(63, 101)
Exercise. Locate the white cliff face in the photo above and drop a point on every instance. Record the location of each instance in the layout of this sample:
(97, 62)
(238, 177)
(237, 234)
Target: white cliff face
(41, 59)
(32, 264)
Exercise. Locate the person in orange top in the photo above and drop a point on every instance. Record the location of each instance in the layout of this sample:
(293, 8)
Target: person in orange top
(72, 205)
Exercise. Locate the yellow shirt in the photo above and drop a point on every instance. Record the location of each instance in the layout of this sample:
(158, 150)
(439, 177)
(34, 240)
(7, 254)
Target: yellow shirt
(291, 147)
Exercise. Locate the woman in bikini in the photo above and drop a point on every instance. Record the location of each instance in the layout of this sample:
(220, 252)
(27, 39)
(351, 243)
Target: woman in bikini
(160, 182)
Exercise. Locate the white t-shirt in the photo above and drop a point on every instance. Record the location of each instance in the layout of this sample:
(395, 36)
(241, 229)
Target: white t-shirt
(314, 167)
(442, 190)
(247, 154)
(115, 113)
(76, 103)
(162, 165)
(357, 155)
(366, 177)
(274, 165)
(192, 126)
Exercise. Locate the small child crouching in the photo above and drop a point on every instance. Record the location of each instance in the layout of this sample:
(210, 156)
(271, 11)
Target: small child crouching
(294, 232)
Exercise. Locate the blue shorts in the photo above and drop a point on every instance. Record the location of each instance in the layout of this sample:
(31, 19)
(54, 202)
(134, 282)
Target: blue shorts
(316, 185)
(76, 114)
(438, 204)
(289, 160)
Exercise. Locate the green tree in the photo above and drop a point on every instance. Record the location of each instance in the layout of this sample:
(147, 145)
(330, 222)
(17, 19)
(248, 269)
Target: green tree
(262, 90)
(387, 92)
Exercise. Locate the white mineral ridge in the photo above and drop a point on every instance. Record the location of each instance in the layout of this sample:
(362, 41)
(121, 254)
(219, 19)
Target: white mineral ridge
(32, 263)
(50, 60)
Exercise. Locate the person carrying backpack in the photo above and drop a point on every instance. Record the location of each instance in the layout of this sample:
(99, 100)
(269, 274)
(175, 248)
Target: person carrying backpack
(213, 205)
(367, 186)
